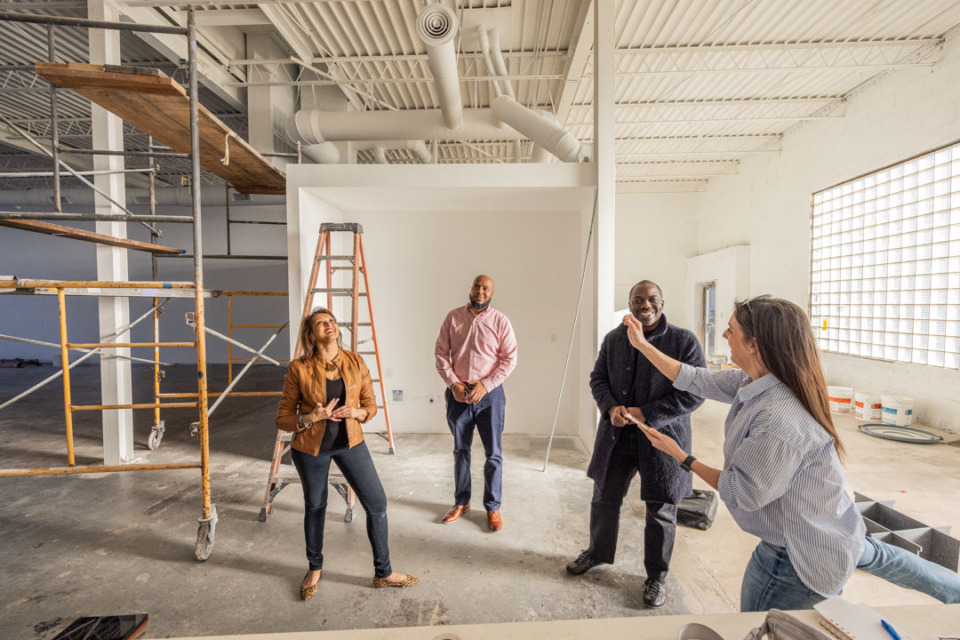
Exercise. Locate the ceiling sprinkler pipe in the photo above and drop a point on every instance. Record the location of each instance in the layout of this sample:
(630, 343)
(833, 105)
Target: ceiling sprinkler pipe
(436, 26)
(560, 143)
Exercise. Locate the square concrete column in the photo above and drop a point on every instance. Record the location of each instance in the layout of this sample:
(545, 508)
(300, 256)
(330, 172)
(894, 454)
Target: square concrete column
(115, 378)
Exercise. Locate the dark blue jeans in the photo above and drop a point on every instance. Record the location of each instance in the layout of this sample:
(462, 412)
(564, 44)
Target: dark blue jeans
(357, 467)
(487, 416)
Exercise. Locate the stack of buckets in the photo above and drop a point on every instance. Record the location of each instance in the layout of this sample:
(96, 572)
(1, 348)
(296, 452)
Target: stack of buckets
(867, 405)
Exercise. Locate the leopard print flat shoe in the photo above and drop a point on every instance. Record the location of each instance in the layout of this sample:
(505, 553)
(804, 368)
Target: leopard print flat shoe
(308, 592)
(409, 581)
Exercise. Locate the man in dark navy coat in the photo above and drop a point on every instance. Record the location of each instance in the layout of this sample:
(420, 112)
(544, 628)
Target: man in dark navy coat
(624, 382)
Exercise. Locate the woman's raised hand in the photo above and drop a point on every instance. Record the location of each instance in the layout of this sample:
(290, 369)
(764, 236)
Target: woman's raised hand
(635, 332)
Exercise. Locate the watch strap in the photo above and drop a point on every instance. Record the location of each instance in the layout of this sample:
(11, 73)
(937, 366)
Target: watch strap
(687, 463)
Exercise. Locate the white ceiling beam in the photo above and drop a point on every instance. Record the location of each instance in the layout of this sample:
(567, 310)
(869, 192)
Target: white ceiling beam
(586, 123)
(294, 37)
(754, 69)
(722, 102)
(212, 71)
(783, 46)
(373, 81)
(581, 46)
(233, 18)
(655, 185)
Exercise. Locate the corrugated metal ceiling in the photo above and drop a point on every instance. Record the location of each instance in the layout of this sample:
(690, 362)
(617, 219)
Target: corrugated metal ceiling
(699, 86)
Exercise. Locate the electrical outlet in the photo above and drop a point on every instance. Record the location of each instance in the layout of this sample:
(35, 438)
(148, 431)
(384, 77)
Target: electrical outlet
(398, 395)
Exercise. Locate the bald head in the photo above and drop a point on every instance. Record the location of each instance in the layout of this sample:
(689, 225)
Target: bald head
(481, 293)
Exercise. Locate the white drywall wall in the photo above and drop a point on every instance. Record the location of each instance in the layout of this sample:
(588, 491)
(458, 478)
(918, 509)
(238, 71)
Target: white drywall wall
(428, 231)
(767, 206)
(656, 233)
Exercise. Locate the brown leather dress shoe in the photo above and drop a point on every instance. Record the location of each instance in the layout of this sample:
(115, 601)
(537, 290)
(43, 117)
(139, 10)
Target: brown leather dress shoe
(494, 521)
(454, 514)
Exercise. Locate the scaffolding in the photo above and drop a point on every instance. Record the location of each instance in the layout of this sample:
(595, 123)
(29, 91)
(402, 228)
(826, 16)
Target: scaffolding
(192, 108)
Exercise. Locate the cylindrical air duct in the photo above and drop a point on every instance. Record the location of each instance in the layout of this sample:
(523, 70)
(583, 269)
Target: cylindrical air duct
(323, 153)
(312, 126)
(436, 26)
(560, 143)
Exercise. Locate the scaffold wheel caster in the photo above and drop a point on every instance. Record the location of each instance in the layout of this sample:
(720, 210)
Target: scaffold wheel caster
(156, 436)
(205, 534)
(348, 515)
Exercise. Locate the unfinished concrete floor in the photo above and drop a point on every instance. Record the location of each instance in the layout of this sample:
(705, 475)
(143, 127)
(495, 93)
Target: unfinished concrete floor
(124, 542)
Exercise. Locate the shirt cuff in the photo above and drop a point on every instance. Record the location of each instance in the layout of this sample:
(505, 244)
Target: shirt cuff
(685, 379)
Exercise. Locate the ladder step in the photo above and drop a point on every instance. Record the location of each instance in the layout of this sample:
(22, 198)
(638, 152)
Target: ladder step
(366, 353)
(349, 325)
(287, 472)
(337, 291)
(350, 258)
(360, 269)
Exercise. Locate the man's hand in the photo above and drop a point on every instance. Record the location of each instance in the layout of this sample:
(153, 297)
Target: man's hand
(477, 391)
(459, 392)
(636, 413)
(618, 416)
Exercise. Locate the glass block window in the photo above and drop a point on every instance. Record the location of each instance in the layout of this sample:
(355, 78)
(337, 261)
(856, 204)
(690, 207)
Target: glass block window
(885, 263)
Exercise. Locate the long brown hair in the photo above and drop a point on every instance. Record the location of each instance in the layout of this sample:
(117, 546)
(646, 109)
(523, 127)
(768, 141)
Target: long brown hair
(308, 348)
(788, 349)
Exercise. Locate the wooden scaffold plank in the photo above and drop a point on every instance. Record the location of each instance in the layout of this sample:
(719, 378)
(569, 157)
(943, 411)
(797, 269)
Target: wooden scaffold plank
(89, 236)
(159, 106)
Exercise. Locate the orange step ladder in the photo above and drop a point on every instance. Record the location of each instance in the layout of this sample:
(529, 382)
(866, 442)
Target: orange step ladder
(358, 287)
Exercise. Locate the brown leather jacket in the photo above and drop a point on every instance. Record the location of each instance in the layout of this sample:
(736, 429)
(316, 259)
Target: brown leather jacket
(306, 385)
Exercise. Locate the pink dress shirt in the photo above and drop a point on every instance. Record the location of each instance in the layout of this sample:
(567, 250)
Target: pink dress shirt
(476, 347)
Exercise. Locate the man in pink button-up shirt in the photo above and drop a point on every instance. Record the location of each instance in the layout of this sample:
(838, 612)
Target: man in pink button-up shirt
(475, 352)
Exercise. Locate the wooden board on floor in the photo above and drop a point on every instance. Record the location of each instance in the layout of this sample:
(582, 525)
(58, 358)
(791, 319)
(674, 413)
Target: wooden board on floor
(159, 106)
(79, 234)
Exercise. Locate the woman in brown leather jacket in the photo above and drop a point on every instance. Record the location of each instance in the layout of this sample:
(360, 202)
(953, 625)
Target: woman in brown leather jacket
(327, 395)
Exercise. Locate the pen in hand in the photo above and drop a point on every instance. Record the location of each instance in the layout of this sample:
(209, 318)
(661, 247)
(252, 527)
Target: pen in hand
(893, 634)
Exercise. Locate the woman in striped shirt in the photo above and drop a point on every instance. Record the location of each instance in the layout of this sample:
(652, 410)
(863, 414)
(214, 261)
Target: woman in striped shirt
(782, 478)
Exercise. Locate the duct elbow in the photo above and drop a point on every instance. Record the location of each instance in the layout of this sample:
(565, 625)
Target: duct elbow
(323, 153)
(304, 127)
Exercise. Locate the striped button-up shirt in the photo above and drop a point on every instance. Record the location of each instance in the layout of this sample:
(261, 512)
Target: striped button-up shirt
(476, 347)
(782, 480)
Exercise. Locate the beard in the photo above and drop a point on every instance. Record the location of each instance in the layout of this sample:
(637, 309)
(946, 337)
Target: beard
(476, 306)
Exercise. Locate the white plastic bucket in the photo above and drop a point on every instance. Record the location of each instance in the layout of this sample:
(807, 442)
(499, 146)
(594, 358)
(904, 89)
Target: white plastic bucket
(897, 410)
(867, 405)
(841, 399)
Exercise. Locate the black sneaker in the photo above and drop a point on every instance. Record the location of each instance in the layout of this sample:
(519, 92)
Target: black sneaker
(654, 593)
(581, 564)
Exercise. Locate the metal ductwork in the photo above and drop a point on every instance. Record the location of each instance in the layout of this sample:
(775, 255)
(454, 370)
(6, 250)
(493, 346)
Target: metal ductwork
(560, 143)
(322, 153)
(313, 126)
(436, 26)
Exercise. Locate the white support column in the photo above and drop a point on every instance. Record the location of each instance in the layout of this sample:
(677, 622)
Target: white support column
(268, 107)
(115, 380)
(598, 309)
(605, 162)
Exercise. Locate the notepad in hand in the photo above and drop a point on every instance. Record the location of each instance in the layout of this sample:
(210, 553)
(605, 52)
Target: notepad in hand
(850, 621)
(632, 419)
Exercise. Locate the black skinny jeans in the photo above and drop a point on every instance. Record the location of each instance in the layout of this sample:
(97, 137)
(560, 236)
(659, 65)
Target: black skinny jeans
(357, 467)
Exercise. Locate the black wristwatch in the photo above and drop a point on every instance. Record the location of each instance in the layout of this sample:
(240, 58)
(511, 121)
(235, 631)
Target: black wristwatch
(687, 463)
